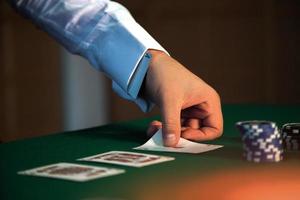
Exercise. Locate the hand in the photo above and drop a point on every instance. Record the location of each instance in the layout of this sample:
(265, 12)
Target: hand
(190, 108)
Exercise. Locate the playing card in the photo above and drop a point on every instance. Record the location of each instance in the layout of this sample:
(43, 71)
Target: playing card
(184, 146)
(127, 158)
(73, 172)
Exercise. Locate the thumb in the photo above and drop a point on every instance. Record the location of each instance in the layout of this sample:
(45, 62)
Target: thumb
(171, 127)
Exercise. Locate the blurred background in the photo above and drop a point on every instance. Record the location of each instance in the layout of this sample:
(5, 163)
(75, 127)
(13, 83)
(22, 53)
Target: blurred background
(247, 50)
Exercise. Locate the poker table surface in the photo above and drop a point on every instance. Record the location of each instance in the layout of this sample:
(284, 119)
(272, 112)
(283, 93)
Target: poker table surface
(218, 174)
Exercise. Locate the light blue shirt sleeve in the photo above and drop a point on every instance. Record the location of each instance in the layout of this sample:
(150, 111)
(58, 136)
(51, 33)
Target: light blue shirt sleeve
(104, 33)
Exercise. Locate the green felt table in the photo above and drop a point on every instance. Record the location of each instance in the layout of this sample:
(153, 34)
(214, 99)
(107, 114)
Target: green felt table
(220, 174)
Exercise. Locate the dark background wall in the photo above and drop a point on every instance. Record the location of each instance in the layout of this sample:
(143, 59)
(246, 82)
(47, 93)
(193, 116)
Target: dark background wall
(30, 83)
(247, 50)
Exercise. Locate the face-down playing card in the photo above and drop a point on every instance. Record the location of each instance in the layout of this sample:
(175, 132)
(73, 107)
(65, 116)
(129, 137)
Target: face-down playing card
(184, 146)
(127, 158)
(73, 172)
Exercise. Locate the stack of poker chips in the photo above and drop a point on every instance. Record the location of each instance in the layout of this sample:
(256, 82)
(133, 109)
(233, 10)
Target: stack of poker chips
(261, 141)
(291, 136)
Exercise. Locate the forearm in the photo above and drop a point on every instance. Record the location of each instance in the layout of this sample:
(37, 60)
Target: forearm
(102, 31)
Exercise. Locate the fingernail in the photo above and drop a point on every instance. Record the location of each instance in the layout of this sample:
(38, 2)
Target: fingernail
(170, 139)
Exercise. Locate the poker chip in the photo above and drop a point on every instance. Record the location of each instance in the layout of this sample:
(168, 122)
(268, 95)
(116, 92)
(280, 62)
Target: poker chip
(262, 141)
(291, 136)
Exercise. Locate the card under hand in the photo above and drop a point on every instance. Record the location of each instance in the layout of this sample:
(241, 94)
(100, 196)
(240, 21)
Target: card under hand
(73, 172)
(127, 158)
(184, 146)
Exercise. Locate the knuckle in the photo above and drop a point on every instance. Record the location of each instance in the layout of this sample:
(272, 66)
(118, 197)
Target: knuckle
(215, 94)
(171, 125)
(219, 133)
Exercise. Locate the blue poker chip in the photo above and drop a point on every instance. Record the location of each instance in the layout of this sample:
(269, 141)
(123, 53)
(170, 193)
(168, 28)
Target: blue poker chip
(255, 124)
(269, 149)
(261, 157)
(257, 141)
(266, 151)
(264, 159)
(262, 138)
(253, 135)
(256, 132)
(268, 139)
(262, 141)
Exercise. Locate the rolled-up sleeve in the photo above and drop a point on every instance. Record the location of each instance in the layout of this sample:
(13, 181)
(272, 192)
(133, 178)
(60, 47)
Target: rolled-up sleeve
(104, 33)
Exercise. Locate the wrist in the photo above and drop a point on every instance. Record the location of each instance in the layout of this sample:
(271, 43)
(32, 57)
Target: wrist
(156, 55)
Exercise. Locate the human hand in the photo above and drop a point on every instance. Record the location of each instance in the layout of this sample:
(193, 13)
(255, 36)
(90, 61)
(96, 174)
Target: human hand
(190, 108)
